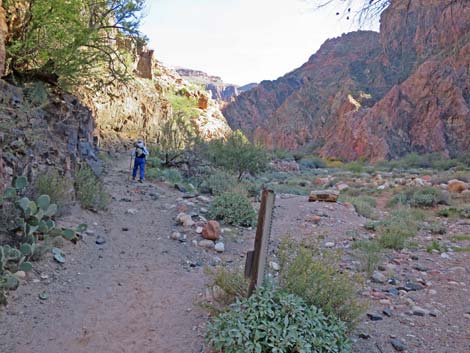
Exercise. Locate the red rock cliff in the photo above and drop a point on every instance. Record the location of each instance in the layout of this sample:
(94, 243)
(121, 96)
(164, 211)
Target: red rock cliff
(371, 95)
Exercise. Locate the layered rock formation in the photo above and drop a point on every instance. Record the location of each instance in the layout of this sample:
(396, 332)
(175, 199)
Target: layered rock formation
(373, 95)
(221, 91)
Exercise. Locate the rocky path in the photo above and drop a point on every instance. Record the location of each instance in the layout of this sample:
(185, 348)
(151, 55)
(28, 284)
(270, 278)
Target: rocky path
(130, 294)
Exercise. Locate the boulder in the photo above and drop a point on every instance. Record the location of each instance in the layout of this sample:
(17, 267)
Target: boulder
(185, 220)
(208, 244)
(324, 195)
(456, 186)
(211, 230)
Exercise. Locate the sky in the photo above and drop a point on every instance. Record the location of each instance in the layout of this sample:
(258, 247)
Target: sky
(242, 41)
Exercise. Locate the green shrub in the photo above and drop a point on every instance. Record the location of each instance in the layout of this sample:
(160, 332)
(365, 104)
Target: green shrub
(90, 189)
(312, 163)
(54, 185)
(355, 167)
(435, 246)
(273, 321)
(220, 182)
(231, 282)
(233, 208)
(401, 225)
(424, 197)
(239, 156)
(364, 205)
(448, 212)
(370, 253)
(318, 279)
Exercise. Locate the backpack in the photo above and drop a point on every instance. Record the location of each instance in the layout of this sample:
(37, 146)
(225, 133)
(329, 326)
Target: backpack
(139, 153)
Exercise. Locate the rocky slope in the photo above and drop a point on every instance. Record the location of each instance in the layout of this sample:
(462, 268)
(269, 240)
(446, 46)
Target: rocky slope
(373, 95)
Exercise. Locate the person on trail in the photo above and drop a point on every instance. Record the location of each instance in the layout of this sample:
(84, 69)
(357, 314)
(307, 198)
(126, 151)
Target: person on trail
(140, 154)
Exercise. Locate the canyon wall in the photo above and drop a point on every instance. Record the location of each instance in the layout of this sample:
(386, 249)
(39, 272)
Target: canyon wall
(373, 95)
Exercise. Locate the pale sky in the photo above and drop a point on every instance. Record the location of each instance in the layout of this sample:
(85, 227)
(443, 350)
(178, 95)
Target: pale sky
(242, 41)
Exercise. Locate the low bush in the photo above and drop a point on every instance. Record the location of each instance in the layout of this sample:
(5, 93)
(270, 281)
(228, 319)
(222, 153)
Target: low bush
(220, 182)
(273, 321)
(355, 167)
(56, 186)
(370, 254)
(227, 285)
(424, 197)
(90, 190)
(435, 246)
(233, 208)
(364, 205)
(400, 226)
(465, 212)
(318, 279)
(312, 163)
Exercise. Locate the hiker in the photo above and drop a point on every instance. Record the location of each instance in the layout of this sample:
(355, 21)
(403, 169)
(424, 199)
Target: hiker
(140, 157)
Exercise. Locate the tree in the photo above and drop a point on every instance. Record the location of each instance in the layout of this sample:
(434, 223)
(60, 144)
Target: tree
(238, 155)
(177, 132)
(66, 41)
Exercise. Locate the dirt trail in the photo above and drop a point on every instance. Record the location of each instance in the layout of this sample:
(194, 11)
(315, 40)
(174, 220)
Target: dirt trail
(131, 294)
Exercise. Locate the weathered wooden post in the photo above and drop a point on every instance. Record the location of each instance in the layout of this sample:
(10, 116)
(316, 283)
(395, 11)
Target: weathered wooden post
(256, 259)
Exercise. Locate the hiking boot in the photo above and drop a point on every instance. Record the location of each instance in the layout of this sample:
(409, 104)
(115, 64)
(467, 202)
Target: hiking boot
(141, 180)
(133, 178)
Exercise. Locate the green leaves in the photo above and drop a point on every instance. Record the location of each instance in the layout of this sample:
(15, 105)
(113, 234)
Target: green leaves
(274, 321)
(26, 267)
(233, 208)
(43, 202)
(20, 183)
(70, 40)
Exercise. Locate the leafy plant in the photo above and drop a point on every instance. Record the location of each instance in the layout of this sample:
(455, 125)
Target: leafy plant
(237, 155)
(370, 254)
(67, 41)
(435, 246)
(33, 222)
(55, 186)
(275, 321)
(317, 278)
(90, 189)
(364, 205)
(231, 283)
(219, 182)
(401, 225)
(233, 208)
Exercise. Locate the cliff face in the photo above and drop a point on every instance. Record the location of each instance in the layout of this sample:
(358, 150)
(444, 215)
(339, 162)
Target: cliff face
(138, 108)
(371, 95)
(221, 91)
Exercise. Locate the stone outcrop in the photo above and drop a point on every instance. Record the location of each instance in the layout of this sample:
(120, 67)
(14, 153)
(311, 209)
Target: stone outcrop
(373, 95)
(57, 133)
(3, 34)
(221, 91)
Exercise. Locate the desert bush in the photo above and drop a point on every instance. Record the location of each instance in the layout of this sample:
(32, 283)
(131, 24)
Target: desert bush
(364, 205)
(230, 284)
(275, 321)
(424, 197)
(233, 208)
(219, 182)
(90, 190)
(370, 254)
(448, 212)
(54, 185)
(282, 154)
(317, 278)
(435, 246)
(396, 229)
(355, 167)
(312, 162)
(237, 155)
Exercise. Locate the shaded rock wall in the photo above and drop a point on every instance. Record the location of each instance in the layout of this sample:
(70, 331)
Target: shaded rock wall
(34, 137)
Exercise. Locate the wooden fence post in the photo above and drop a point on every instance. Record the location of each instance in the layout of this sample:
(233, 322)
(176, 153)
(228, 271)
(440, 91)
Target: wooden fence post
(256, 260)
